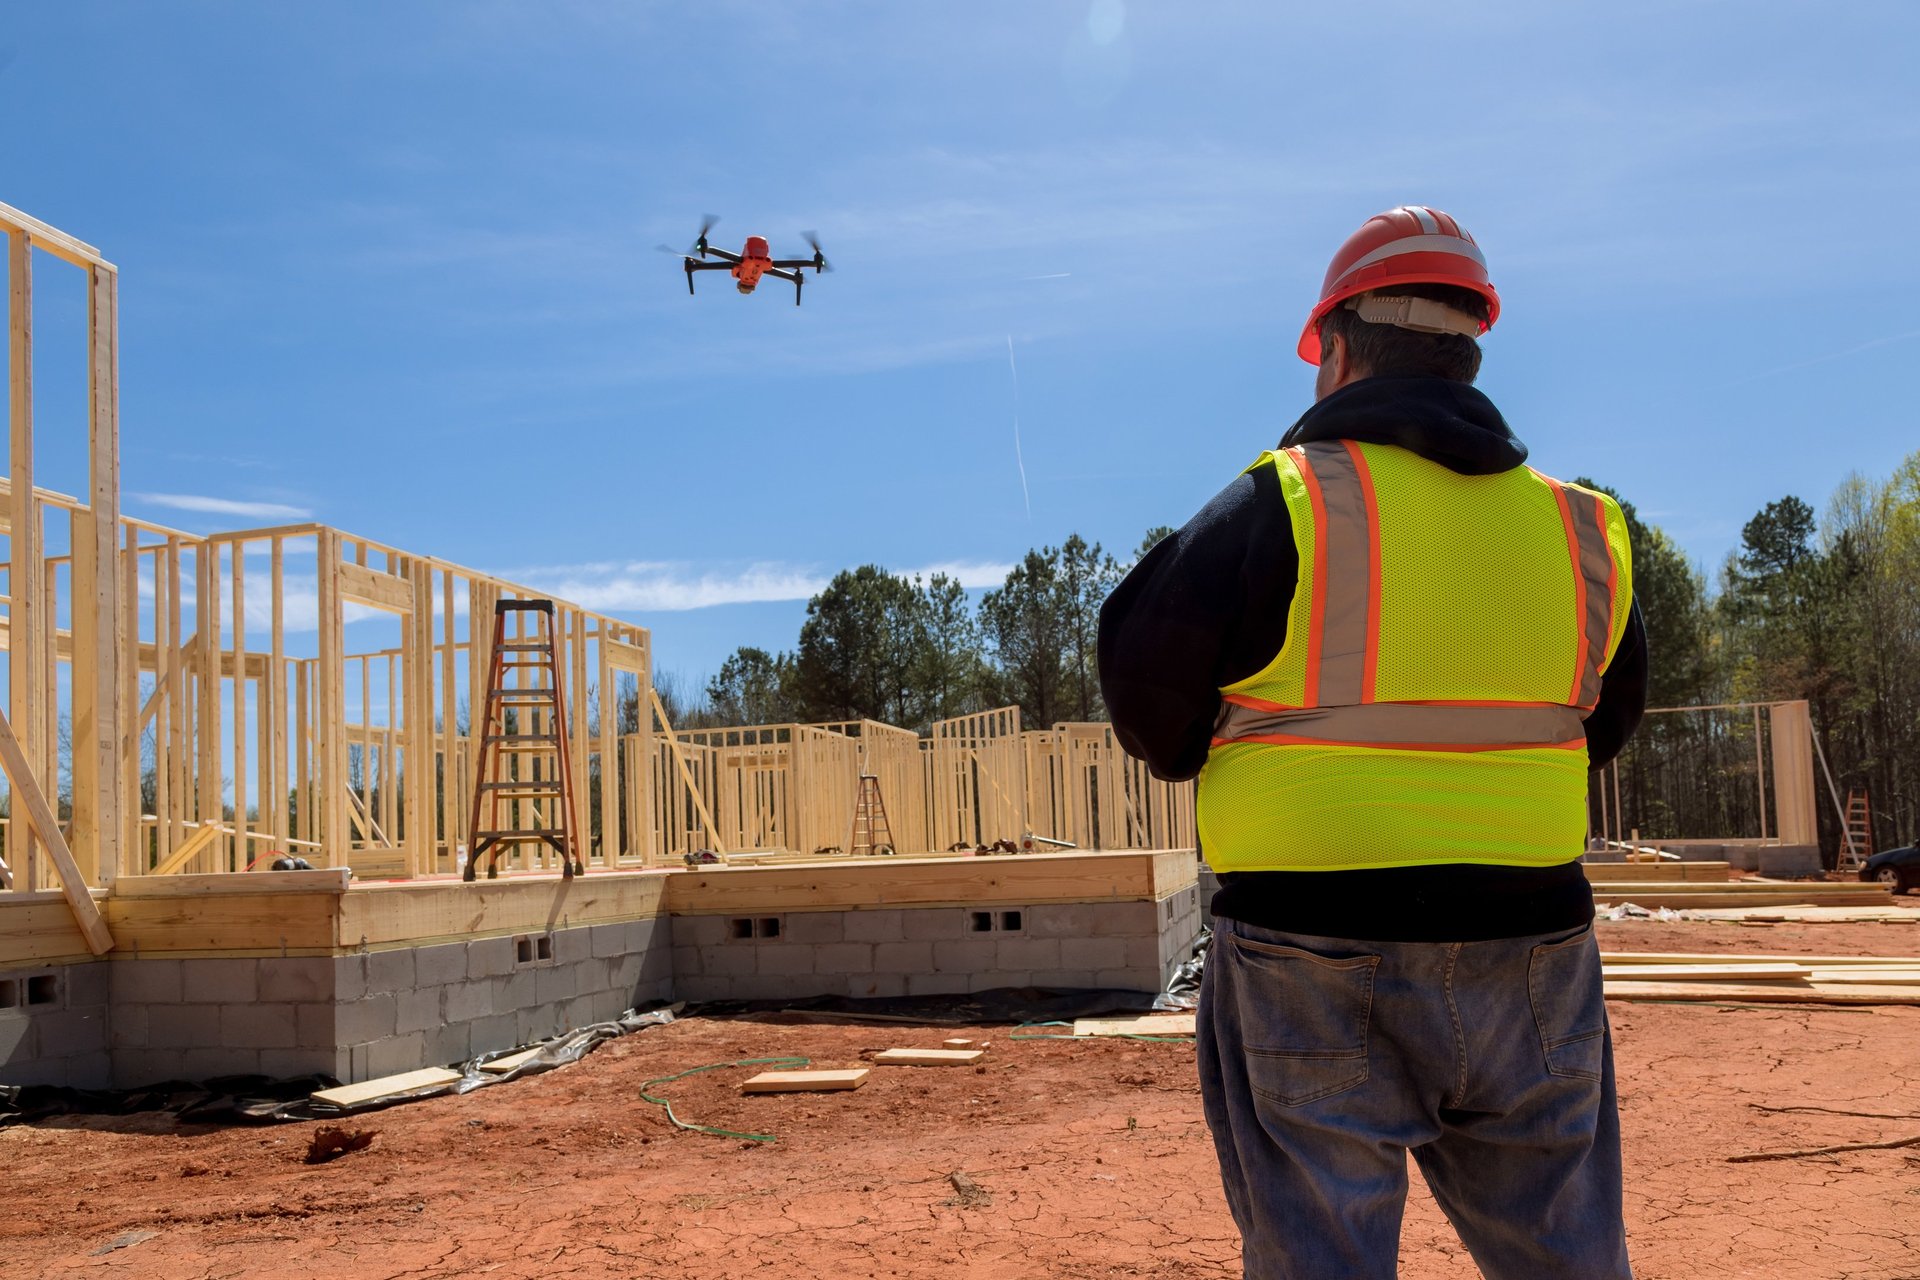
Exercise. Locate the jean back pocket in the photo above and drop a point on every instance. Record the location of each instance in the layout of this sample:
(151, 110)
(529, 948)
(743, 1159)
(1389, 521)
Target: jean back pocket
(1303, 1019)
(1569, 1008)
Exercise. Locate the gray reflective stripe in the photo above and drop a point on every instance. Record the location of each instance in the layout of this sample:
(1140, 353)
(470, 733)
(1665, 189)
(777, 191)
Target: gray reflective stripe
(1389, 723)
(1349, 570)
(1419, 244)
(1596, 566)
(1428, 223)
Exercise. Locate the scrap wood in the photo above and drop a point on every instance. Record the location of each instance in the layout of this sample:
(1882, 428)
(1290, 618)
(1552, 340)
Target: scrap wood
(1707, 972)
(805, 1081)
(386, 1088)
(1764, 992)
(500, 1066)
(927, 1057)
(1153, 1024)
(1825, 1151)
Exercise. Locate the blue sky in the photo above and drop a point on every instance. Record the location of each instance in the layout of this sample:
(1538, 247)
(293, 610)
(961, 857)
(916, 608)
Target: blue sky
(379, 261)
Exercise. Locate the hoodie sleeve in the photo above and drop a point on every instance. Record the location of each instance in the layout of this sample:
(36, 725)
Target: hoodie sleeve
(1623, 694)
(1205, 608)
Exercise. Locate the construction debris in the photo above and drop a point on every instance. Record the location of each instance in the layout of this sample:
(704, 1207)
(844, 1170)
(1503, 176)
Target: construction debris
(330, 1142)
(805, 1081)
(928, 1057)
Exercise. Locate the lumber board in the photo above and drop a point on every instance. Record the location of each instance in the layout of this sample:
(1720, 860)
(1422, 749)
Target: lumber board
(1707, 972)
(805, 1081)
(1029, 878)
(1765, 992)
(928, 1057)
(379, 590)
(414, 911)
(1692, 957)
(26, 793)
(238, 922)
(324, 880)
(406, 1084)
(1800, 913)
(38, 927)
(1732, 899)
(1657, 872)
(500, 1066)
(1153, 1024)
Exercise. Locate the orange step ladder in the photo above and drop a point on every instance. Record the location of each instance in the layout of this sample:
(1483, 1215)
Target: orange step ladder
(1856, 846)
(523, 780)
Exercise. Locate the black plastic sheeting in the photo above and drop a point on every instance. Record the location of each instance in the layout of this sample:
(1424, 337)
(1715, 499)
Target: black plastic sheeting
(261, 1100)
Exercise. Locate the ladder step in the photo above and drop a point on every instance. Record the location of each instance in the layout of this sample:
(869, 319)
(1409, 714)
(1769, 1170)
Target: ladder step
(545, 694)
(530, 646)
(532, 786)
(519, 837)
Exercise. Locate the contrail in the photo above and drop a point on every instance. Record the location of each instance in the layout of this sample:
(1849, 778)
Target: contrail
(1057, 275)
(1889, 340)
(1018, 459)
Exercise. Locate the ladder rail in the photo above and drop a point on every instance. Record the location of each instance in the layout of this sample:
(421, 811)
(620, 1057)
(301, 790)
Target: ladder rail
(547, 801)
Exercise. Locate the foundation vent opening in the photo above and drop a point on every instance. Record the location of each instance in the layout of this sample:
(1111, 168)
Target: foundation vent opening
(9, 994)
(543, 947)
(740, 928)
(43, 988)
(523, 950)
(767, 927)
(980, 922)
(1012, 921)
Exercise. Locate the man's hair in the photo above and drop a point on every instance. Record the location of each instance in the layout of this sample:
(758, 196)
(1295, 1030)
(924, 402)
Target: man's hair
(1388, 351)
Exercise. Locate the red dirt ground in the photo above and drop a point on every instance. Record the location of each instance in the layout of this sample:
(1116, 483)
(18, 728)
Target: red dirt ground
(1089, 1158)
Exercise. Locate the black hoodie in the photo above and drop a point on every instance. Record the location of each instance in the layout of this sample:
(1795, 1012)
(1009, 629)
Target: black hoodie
(1208, 606)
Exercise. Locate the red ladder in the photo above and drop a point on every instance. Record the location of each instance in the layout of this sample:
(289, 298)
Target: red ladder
(871, 832)
(523, 734)
(1856, 846)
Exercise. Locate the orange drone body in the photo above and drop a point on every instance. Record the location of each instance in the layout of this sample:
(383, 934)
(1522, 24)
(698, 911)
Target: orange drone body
(753, 261)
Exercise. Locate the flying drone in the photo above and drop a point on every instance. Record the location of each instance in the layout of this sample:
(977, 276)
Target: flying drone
(753, 261)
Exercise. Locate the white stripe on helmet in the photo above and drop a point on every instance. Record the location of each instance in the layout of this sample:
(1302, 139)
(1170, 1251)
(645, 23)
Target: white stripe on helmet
(1419, 244)
(1428, 223)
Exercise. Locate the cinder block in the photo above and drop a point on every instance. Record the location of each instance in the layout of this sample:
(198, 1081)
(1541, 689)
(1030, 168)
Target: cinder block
(643, 935)
(72, 1033)
(1060, 920)
(133, 1068)
(1143, 954)
(436, 966)
(608, 1005)
(126, 1028)
(686, 961)
(349, 977)
(936, 984)
(933, 924)
(364, 1021)
(422, 1009)
(446, 1045)
(966, 955)
(465, 1001)
(579, 1012)
(1743, 857)
(774, 986)
(572, 945)
(699, 931)
(501, 1031)
(1788, 861)
(514, 991)
(843, 957)
(542, 1022)
(206, 1064)
(394, 1054)
(17, 1040)
(783, 960)
(393, 970)
(491, 957)
(873, 926)
(220, 981)
(317, 1025)
(555, 983)
(730, 960)
(903, 957)
(1029, 953)
(815, 926)
(1124, 919)
(608, 940)
(656, 965)
(1064, 979)
(258, 1026)
(183, 1026)
(1093, 953)
(147, 982)
(287, 1064)
(296, 979)
(88, 985)
(701, 987)
(91, 1071)
(876, 985)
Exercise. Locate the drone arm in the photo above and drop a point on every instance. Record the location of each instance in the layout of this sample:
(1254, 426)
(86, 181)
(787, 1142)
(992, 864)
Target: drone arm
(722, 254)
(796, 263)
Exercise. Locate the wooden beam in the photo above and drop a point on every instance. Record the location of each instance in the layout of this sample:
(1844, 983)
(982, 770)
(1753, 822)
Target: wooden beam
(27, 795)
(25, 607)
(686, 774)
(189, 848)
(378, 590)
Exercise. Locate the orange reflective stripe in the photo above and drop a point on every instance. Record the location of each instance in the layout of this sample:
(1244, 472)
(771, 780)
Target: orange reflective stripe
(1343, 562)
(1318, 604)
(1389, 724)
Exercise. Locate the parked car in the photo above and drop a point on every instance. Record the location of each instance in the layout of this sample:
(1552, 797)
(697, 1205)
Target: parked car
(1898, 869)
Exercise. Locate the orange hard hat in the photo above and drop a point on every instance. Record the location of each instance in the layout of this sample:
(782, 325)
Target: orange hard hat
(1408, 245)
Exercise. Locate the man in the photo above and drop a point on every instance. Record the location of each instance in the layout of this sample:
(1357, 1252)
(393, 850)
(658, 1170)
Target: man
(1392, 652)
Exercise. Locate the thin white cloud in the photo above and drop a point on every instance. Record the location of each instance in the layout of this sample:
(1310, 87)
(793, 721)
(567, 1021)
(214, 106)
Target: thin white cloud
(224, 506)
(642, 586)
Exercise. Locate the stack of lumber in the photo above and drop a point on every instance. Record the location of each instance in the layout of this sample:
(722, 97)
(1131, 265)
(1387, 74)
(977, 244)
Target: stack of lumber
(1719, 893)
(1768, 979)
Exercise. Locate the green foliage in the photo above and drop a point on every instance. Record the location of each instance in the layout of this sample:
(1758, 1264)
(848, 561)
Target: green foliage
(753, 687)
(1041, 627)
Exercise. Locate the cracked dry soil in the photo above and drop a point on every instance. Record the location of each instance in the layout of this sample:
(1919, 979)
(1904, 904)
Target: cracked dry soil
(1080, 1160)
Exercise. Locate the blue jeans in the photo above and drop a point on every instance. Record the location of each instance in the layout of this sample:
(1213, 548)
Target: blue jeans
(1324, 1061)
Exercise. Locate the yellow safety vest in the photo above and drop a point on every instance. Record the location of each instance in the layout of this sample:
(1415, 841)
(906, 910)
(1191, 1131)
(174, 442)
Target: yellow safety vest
(1444, 646)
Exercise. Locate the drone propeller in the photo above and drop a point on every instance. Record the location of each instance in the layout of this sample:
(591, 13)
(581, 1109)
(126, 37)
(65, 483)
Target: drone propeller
(819, 259)
(706, 224)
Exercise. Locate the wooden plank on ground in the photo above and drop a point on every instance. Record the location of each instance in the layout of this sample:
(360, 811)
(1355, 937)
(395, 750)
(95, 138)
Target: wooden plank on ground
(1765, 992)
(500, 1066)
(1689, 957)
(1707, 972)
(805, 1081)
(1153, 1024)
(927, 1057)
(403, 1085)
